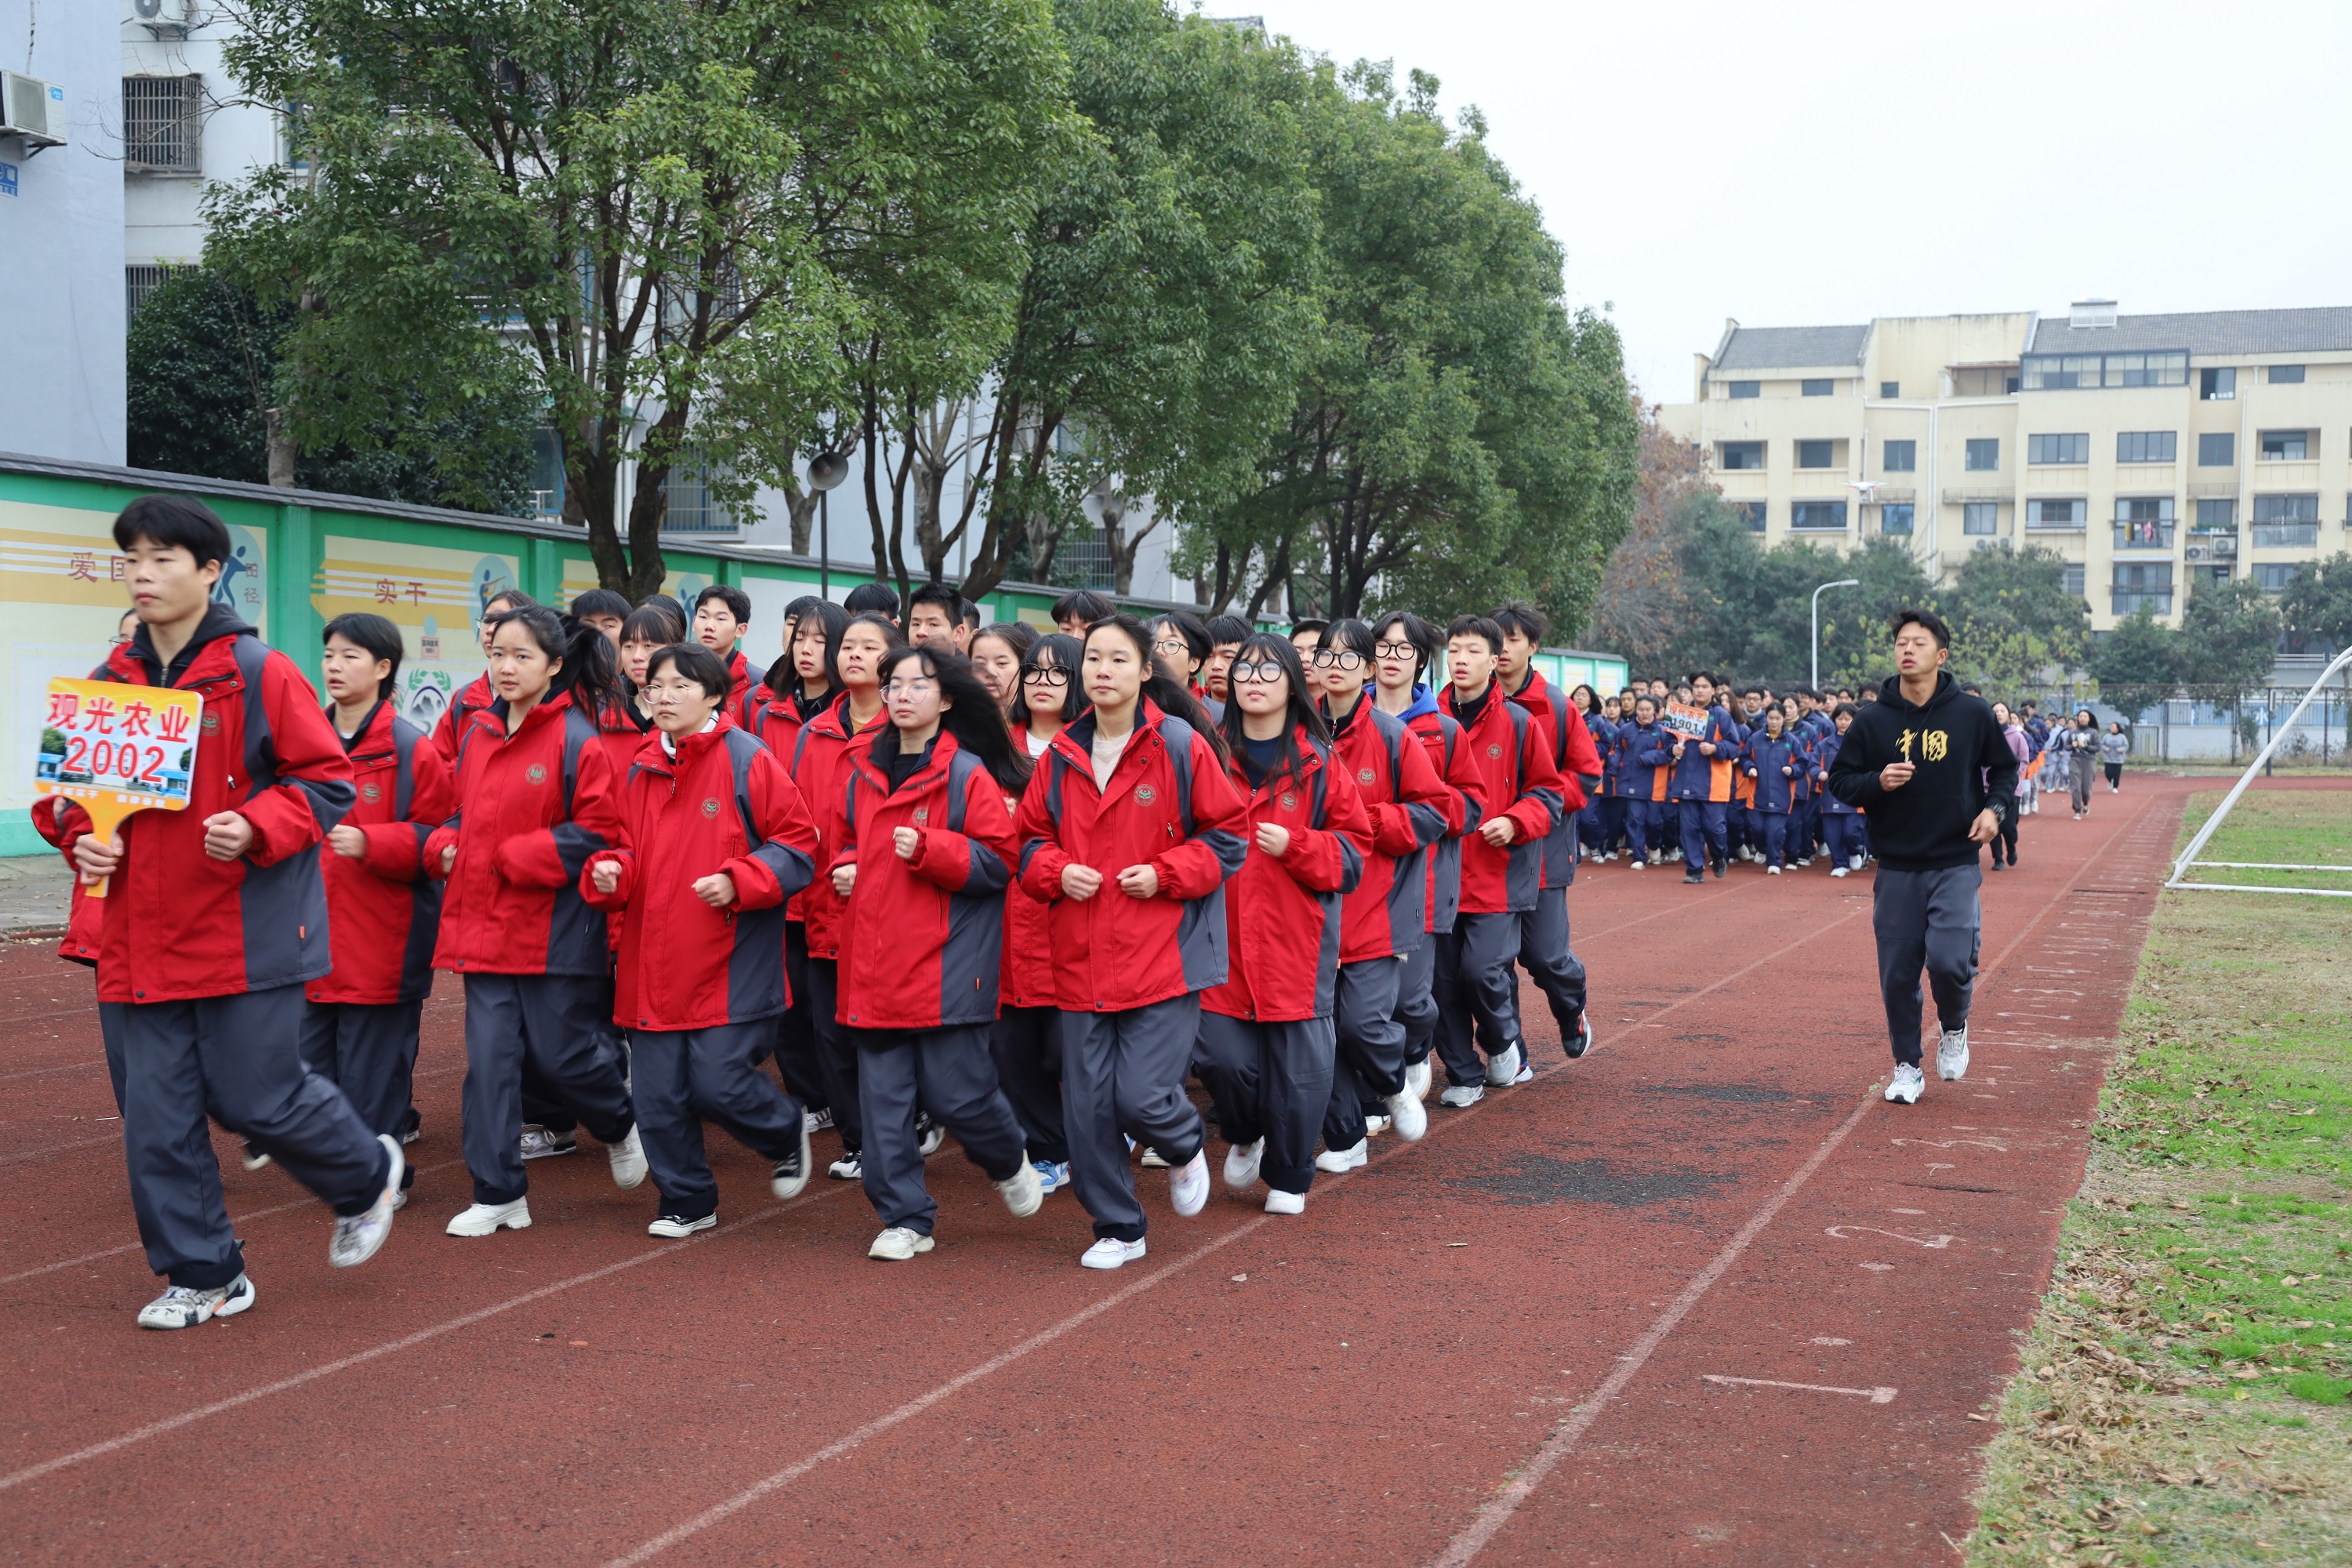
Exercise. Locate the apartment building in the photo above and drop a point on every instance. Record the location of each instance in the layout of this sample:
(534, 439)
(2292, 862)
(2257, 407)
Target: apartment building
(2150, 452)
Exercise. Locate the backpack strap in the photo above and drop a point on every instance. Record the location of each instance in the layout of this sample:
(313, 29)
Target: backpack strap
(252, 656)
(960, 771)
(405, 736)
(1177, 736)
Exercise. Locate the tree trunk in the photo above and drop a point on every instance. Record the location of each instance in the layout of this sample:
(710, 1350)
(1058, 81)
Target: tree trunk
(1122, 549)
(281, 448)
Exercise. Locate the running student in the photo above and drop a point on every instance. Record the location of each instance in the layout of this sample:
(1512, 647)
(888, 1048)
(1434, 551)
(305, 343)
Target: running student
(1028, 1039)
(476, 695)
(721, 616)
(923, 854)
(1128, 831)
(383, 913)
(1545, 948)
(1776, 765)
(1931, 767)
(1502, 865)
(1644, 755)
(1840, 824)
(535, 799)
(1383, 919)
(1267, 1035)
(213, 919)
(1700, 786)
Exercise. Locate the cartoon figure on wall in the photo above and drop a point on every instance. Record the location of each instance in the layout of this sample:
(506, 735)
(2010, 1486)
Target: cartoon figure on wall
(492, 577)
(241, 587)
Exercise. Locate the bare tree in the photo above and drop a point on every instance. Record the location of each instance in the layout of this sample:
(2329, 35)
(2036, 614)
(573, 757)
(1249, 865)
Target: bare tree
(1642, 599)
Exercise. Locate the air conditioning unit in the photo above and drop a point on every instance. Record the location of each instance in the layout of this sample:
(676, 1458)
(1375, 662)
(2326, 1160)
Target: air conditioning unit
(166, 18)
(32, 110)
(2225, 548)
(2195, 553)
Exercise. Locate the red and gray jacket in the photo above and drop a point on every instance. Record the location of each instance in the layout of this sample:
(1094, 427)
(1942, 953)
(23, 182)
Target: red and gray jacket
(921, 944)
(474, 698)
(1513, 759)
(777, 721)
(533, 808)
(1168, 804)
(176, 923)
(721, 804)
(1574, 757)
(1441, 738)
(383, 913)
(1408, 806)
(1284, 913)
(820, 767)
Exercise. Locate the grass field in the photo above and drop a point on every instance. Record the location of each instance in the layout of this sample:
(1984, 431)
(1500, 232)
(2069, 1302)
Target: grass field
(2184, 1397)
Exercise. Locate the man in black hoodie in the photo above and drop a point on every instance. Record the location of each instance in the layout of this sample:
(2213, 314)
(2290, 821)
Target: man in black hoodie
(1928, 763)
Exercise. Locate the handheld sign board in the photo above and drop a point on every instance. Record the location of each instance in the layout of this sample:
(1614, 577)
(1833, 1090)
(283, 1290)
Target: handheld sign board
(1688, 722)
(115, 748)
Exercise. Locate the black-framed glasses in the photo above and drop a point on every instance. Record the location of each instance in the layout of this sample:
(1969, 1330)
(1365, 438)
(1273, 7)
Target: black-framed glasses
(1338, 658)
(1173, 647)
(1047, 675)
(1246, 673)
(1394, 650)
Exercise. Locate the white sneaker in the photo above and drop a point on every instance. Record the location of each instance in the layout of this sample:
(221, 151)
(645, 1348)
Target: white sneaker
(899, 1244)
(628, 1158)
(1775, 871)
(253, 1158)
(1110, 1253)
(817, 1121)
(1053, 1175)
(1903, 1088)
(1952, 1054)
(1503, 1070)
(1525, 1073)
(1839, 871)
(1416, 1080)
(357, 1236)
(1410, 1117)
(848, 1168)
(1463, 1094)
(1279, 1202)
(1242, 1161)
(537, 1143)
(1338, 1161)
(790, 1174)
(932, 1135)
(675, 1227)
(488, 1219)
(1854, 861)
(1187, 1187)
(181, 1308)
(1637, 866)
(1023, 1192)
(1152, 1160)
(1376, 1125)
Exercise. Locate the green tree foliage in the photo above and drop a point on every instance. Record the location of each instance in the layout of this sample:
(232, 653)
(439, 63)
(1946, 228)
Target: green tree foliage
(2138, 665)
(2013, 620)
(203, 361)
(2318, 604)
(677, 210)
(2229, 638)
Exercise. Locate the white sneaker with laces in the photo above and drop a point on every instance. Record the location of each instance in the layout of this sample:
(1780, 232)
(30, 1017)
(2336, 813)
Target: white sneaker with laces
(1408, 1115)
(933, 1136)
(358, 1236)
(1110, 1253)
(488, 1219)
(537, 1143)
(817, 1121)
(1376, 1125)
(1152, 1160)
(628, 1160)
(848, 1168)
(897, 1244)
(1460, 1095)
(787, 1177)
(1903, 1088)
(674, 1227)
(1188, 1185)
(1503, 1070)
(1952, 1054)
(1053, 1175)
(1023, 1192)
(1279, 1202)
(1416, 1079)
(1339, 1161)
(1242, 1161)
(182, 1308)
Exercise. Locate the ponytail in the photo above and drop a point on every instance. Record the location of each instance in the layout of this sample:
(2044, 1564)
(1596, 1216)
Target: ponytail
(589, 671)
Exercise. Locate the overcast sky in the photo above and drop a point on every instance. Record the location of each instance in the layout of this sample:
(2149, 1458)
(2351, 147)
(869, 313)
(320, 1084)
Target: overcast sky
(1811, 163)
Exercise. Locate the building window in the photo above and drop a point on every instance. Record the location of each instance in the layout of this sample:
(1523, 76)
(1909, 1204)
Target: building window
(1814, 454)
(1818, 515)
(1890, 389)
(2218, 385)
(2273, 576)
(2066, 515)
(2202, 576)
(1816, 386)
(163, 124)
(2147, 446)
(141, 280)
(1981, 517)
(2217, 517)
(1747, 389)
(2052, 449)
(1753, 512)
(2143, 522)
(2061, 372)
(1899, 458)
(2218, 449)
(1740, 455)
(1982, 456)
(2286, 522)
(2073, 575)
(547, 472)
(1895, 518)
(2143, 585)
(2284, 375)
(2286, 445)
(2148, 370)
(690, 508)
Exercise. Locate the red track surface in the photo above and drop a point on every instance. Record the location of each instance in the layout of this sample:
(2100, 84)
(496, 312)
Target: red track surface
(1494, 1345)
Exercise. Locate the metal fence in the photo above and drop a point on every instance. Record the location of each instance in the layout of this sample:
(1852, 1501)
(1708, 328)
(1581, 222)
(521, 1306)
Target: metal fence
(2202, 724)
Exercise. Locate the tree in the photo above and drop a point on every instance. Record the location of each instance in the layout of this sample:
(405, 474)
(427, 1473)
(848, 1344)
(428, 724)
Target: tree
(2229, 638)
(1644, 598)
(2318, 603)
(2012, 618)
(2138, 665)
(674, 212)
(203, 362)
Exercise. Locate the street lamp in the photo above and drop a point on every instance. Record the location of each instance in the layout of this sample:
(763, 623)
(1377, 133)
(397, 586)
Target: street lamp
(825, 472)
(1846, 582)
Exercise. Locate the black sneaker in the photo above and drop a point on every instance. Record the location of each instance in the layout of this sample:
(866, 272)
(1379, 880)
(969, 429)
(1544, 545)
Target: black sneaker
(790, 1173)
(411, 1126)
(1717, 863)
(1695, 877)
(1582, 1040)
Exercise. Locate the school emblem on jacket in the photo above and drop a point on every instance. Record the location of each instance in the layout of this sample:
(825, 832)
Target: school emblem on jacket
(1290, 802)
(1146, 794)
(922, 814)
(535, 773)
(371, 792)
(1494, 750)
(1364, 776)
(710, 806)
(210, 724)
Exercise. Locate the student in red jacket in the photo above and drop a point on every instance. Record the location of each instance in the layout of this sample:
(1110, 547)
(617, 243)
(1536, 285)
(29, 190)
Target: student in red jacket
(536, 797)
(212, 919)
(1502, 864)
(1028, 1039)
(1128, 831)
(1266, 1036)
(1384, 918)
(923, 853)
(476, 695)
(1545, 948)
(722, 614)
(718, 838)
(383, 913)
(820, 767)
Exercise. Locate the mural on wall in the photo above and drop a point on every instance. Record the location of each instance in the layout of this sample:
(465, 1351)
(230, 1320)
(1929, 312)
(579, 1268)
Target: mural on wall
(434, 596)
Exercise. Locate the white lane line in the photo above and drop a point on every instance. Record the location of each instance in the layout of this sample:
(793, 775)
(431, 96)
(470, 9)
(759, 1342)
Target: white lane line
(1875, 1395)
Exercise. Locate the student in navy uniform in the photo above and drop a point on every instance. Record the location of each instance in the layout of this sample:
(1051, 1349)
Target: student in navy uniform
(1773, 758)
(1644, 753)
(213, 919)
(1701, 784)
(1840, 824)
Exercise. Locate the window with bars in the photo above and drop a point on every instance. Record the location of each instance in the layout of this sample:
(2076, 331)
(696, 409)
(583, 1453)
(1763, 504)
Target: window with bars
(688, 505)
(163, 124)
(140, 280)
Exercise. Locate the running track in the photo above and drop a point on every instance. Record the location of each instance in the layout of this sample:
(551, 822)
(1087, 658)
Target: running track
(1503, 1345)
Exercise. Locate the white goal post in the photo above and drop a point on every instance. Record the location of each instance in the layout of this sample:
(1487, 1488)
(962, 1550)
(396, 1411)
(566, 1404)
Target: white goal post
(2189, 857)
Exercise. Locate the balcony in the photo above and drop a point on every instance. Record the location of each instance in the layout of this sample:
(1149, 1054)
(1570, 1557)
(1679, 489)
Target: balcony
(2286, 535)
(2144, 535)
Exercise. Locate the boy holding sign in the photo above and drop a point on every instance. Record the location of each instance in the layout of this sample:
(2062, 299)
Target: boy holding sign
(215, 917)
